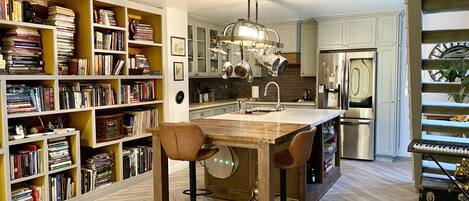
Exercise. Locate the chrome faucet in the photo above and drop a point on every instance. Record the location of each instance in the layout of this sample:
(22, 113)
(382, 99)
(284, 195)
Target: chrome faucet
(278, 107)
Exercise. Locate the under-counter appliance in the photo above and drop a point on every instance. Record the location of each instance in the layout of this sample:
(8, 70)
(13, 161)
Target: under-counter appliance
(346, 81)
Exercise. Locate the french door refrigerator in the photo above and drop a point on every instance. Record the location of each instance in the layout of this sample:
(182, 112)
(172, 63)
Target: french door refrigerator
(346, 81)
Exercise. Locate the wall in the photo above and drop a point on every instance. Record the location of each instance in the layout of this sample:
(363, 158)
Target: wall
(291, 86)
(176, 25)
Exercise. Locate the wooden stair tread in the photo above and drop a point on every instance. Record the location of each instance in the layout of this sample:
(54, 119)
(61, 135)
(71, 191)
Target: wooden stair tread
(445, 126)
(441, 88)
(446, 108)
(438, 6)
(440, 64)
(445, 36)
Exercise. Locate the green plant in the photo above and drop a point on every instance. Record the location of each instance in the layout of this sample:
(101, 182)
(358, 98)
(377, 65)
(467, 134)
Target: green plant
(458, 73)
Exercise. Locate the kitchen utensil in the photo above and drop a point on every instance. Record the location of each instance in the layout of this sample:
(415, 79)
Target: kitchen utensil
(282, 64)
(227, 70)
(307, 94)
(250, 77)
(243, 69)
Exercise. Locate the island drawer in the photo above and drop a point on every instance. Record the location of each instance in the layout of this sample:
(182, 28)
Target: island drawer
(201, 114)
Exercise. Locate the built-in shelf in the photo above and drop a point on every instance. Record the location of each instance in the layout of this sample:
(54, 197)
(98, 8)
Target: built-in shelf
(12, 24)
(124, 139)
(142, 43)
(27, 178)
(40, 138)
(100, 51)
(27, 77)
(108, 27)
(110, 77)
(127, 105)
(62, 169)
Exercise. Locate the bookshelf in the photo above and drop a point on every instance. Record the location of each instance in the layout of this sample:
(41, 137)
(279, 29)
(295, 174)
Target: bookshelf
(83, 141)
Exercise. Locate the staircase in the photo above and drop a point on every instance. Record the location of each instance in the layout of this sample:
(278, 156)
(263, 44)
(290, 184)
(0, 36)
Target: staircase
(415, 10)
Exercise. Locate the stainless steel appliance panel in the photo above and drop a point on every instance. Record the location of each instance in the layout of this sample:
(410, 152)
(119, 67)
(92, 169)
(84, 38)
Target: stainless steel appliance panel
(332, 79)
(357, 139)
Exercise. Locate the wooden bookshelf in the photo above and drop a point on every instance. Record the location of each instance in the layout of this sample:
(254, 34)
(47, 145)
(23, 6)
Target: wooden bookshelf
(84, 119)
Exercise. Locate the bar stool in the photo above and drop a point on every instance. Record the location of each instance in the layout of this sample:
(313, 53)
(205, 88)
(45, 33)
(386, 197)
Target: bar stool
(183, 142)
(296, 155)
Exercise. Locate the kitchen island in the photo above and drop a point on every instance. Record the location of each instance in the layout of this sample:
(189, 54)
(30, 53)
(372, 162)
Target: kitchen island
(262, 134)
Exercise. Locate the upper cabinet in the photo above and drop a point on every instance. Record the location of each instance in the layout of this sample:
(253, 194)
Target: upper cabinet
(347, 33)
(387, 26)
(309, 53)
(289, 33)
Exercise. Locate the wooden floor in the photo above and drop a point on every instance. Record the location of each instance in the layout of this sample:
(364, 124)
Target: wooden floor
(360, 181)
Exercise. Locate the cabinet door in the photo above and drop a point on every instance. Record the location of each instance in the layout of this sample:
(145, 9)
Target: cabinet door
(289, 36)
(214, 58)
(361, 33)
(331, 35)
(388, 33)
(202, 50)
(309, 51)
(190, 45)
(386, 106)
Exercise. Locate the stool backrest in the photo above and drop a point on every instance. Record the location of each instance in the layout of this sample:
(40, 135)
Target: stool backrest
(301, 146)
(181, 141)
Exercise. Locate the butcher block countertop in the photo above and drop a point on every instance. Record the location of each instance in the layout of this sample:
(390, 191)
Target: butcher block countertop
(272, 127)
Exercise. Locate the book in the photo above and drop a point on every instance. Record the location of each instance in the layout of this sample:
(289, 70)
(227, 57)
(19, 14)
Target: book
(97, 171)
(139, 91)
(136, 160)
(22, 98)
(84, 95)
(22, 51)
(26, 161)
(64, 21)
(109, 40)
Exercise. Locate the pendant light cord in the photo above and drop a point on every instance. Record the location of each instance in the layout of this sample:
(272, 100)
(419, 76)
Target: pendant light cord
(249, 10)
(257, 12)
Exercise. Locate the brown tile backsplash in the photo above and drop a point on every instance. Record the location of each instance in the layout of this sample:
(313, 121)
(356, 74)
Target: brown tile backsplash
(292, 86)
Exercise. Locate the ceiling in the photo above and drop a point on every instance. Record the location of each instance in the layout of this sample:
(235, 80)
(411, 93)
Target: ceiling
(276, 10)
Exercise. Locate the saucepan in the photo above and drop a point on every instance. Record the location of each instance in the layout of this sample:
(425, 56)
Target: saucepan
(227, 70)
(243, 69)
(282, 64)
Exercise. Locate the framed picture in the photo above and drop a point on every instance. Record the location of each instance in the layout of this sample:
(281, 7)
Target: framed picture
(178, 46)
(178, 71)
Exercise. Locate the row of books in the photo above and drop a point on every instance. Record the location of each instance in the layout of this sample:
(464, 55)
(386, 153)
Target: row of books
(138, 91)
(97, 172)
(140, 61)
(137, 121)
(26, 161)
(11, 10)
(23, 99)
(140, 31)
(22, 50)
(109, 40)
(23, 191)
(136, 160)
(107, 65)
(86, 95)
(103, 16)
(62, 187)
(59, 153)
(78, 67)
(3, 65)
(64, 20)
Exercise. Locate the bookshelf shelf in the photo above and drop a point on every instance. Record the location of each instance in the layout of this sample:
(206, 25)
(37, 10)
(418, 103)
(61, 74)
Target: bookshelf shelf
(82, 140)
(40, 138)
(11, 24)
(110, 52)
(140, 43)
(73, 166)
(27, 178)
(108, 27)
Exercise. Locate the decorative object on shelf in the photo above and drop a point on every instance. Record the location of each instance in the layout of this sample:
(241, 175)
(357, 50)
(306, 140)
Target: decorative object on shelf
(178, 68)
(29, 15)
(462, 171)
(179, 97)
(19, 132)
(178, 46)
(109, 127)
(255, 38)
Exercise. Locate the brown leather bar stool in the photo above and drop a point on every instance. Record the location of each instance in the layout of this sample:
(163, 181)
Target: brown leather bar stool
(183, 141)
(296, 155)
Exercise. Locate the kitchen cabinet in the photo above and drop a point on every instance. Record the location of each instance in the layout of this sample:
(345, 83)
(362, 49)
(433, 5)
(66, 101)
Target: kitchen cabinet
(387, 101)
(309, 53)
(202, 113)
(387, 30)
(289, 33)
(347, 33)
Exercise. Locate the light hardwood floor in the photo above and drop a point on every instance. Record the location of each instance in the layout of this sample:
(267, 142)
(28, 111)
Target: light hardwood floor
(360, 181)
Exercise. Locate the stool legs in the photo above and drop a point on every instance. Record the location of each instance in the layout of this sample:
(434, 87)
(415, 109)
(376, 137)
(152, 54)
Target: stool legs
(192, 180)
(283, 185)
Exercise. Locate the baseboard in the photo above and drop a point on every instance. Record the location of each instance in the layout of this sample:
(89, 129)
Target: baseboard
(175, 166)
(385, 158)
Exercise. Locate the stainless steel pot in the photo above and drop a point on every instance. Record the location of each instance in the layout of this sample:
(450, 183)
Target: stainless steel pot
(282, 64)
(227, 70)
(243, 69)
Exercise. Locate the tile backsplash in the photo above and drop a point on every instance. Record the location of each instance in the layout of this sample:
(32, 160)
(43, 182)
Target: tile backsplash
(292, 86)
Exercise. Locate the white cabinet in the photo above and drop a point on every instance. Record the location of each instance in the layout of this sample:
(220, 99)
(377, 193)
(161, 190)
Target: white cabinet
(197, 114)
(361, 33)
(387, 30)
(289, 33)
(309, 53)
(347, 33)
(331, 34)
(387, 101)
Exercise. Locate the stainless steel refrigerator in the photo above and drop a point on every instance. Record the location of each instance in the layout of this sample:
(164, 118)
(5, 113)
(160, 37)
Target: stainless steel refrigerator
(346, 80)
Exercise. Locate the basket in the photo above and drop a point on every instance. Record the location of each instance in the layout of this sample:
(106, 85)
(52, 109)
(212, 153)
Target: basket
(109, 127)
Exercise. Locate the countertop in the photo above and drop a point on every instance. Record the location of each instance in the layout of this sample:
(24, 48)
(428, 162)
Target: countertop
(200, 106)
(312, 117)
